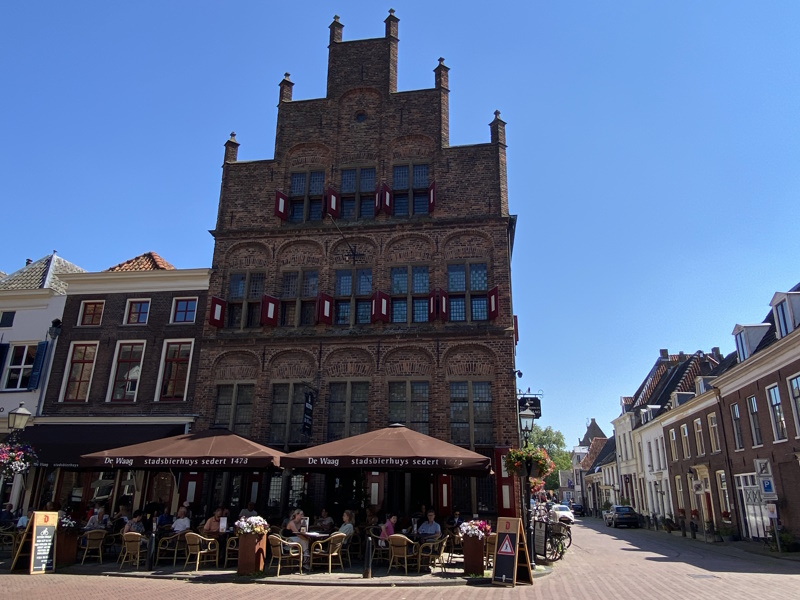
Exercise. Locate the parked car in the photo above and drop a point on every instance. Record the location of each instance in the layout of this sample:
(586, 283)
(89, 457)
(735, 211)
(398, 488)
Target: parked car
(577, 509)
(561, 513)
(621, 515)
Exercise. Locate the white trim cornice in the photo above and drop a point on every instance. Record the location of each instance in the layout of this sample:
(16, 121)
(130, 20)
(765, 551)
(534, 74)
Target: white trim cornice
(106, 282)
(701, 402)
(760, 364)
(109, 420)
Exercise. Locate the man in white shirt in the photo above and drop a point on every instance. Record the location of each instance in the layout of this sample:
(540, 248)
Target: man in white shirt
(430, 528)
(182, 523)
(250, 511)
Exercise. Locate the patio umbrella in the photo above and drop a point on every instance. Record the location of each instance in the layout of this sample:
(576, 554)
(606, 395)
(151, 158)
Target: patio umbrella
(394, 448)
(214, 448)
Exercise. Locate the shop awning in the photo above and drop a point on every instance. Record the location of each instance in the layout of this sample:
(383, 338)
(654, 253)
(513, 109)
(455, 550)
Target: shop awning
(61, 445)
(214, 448)
(394, 448)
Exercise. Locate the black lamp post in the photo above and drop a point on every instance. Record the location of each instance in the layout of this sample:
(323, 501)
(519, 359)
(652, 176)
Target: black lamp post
(17, 421)
(526, 417)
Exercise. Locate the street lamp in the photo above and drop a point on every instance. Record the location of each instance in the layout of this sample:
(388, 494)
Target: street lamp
(526, 417)
(17, 421)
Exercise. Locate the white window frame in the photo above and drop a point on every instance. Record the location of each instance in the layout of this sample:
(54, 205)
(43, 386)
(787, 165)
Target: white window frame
(783, 319)
(175, 305)
(700, 445)
(162, 364)
(673, 444)
(713, 432)
(687, 452)
(754, 424)
(679, 492)
(65, 379)
(128, 303)
(113, 375)
(738, 439)
(795, 402)
(772, 409)
(741, 346)
(6, 369)
(83, 308)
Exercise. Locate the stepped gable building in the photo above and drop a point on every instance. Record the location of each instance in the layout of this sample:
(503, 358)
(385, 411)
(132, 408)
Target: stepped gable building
(365, 268)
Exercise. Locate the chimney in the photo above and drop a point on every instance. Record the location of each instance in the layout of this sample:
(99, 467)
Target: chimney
(498, 129)
(391, 25)
(231, 148)
(28, 261)
(286, 89)
(715, 352)
(681, 356)
(336, 30)
(664, 354)
(441, 75)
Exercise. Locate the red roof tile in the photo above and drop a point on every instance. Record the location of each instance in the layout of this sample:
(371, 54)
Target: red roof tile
(149, 261)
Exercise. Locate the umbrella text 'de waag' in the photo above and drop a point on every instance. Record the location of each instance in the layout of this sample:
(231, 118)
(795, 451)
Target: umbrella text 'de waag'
(394, 448)
(215, 448)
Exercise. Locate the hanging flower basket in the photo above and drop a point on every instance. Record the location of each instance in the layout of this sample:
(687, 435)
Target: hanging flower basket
(517, 459)
(16, 459)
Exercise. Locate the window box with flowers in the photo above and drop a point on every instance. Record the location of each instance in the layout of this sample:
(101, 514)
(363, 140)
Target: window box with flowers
(473, 540)
(518, 459)
(16, 459)
(252, 536)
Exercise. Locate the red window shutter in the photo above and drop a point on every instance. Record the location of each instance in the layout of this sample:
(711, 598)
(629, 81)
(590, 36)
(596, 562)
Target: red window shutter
(384, 306)
(324, 309)
(494, 303)
(378, 192)
(516, 331)
(216, 317)
(281, 205)
(332, 203)
(387, 199)
(269, 310)
(444, 305)
(431, 197)
(432, 306)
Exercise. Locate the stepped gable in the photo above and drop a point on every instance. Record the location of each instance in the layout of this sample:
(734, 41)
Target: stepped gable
(149, 261)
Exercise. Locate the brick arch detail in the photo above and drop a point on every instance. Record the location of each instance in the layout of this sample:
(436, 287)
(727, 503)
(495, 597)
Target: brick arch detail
(293, 364)
(404, 248)
(247, 255)
(348, 362)
(465, 245)
(297, 253)
(408, 361)
(341, 254)
(470, 360)
(407, 147)
(236, 365)
(308, 155)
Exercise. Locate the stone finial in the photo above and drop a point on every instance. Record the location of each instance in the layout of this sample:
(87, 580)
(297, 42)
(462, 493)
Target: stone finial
(233, 136)
(336, 30)
(286, 76)
(231, 148)
(336, 18)
(498, 129)
(497, 114)
(391, 24)
(441, 79)
(286, 86)
(391, 12)
(441, 61)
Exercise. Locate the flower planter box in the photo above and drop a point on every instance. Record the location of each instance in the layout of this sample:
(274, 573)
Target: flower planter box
(252, 552)
(66, 547)
(474, 550)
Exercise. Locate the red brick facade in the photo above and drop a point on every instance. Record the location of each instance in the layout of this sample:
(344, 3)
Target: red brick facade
(363, 123)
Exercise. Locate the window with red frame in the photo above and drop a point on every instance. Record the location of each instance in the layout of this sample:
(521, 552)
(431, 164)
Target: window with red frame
(176, 370)
(92, 313)
(80, 372)
(137, 312)
(126, 375)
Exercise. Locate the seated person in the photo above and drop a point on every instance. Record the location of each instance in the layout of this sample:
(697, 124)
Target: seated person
(212, 525)
(347, 524)
(248, 512)
(182, 523)
(430, 529)
(7, 515)
(22, 522)
(122, 513)
(99, 520)
(135, 524)
(324, 522)
(295, 522)
(455, 519)
(165, 519)
(387, 528)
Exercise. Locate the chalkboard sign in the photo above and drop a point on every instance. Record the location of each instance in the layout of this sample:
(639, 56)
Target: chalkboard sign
(511, 562)
(540, 538)
(43, 547)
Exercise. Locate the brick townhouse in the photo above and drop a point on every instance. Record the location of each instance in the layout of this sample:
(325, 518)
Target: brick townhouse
(365, 267)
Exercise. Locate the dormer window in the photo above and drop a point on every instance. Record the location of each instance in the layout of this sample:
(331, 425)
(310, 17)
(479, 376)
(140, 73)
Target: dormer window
(785, 308)
(748, 337)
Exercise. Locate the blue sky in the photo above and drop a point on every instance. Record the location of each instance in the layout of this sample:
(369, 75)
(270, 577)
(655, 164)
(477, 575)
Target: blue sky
(652, 152)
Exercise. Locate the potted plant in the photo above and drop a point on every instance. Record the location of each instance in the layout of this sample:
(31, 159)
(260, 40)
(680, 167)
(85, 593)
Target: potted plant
(16, 459)
(67, 534)
(695, 513)
(518, 459)
(681, 513)
(252, 533)
(726, 516)
(725, 532)
(473, 538)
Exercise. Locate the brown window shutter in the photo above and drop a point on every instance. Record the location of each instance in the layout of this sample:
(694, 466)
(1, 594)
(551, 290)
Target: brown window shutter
(432, 306)
(494, 303)
(444, 305)
(216, 317)
(324, 309)
(269, 310)
(332, 203)
(281, 205)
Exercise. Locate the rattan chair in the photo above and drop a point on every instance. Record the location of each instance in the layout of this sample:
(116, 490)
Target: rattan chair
(92, 542)
(355, 544)
(284, 552)
(400, 550)
(325, 551)
(172, 546)
(432, 553)
(231, 551)
(205, 550)
(491, 544)
(131, 549)
(380, 548)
